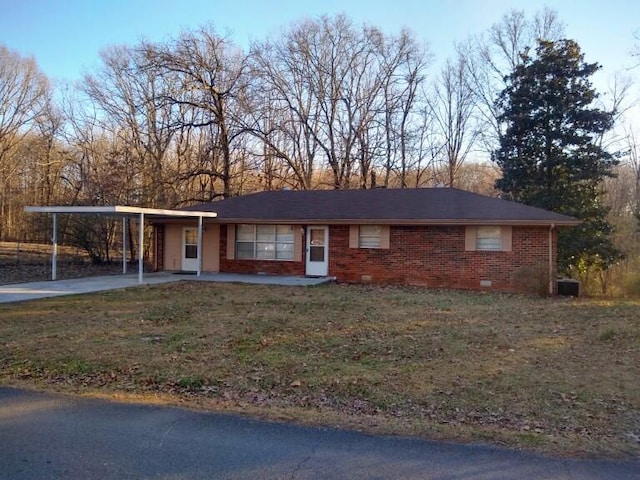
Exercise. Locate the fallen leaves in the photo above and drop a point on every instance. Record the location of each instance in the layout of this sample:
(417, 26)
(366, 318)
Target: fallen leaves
(415, 360)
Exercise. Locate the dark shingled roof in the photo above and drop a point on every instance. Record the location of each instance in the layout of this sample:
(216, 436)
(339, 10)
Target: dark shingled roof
(385, 206)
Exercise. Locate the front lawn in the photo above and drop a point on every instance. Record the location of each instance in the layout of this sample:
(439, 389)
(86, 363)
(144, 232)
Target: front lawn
(554, 375)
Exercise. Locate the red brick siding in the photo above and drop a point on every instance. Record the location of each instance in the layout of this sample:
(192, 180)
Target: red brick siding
(158, 254)
(432, 256)
(271, 267)
(435, 257)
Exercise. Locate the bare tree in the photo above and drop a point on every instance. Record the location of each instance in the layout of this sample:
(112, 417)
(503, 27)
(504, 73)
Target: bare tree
(102, 168)
(404, 63)
(24, 97)
(452, 105)
(124, 92)
(622, 196)
(491, 56)
(339, 97)
(314, 71)
(39, 161)
(632, 163)
(212, 83)
(285, 111)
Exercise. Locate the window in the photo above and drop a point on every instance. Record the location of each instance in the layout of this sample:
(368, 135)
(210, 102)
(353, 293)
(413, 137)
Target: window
(370, 236)
(191, 243)
(489, 238)
(264, 242)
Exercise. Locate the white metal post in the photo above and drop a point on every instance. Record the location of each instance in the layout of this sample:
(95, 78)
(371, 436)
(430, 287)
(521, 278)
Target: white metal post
(141, 248)
(199, 246)
(54, 255)
(124, 245)
(551, 264)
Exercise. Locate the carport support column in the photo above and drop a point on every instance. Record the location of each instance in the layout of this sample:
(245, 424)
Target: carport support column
(54, 253)
(551, 264)
(199, 246)
(124, 245)
(141, 248)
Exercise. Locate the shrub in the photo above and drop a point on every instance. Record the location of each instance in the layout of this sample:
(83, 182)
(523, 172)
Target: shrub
(533, 279)
(631, 286)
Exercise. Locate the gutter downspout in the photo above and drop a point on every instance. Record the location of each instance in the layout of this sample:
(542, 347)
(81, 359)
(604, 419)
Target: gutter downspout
(551, 228)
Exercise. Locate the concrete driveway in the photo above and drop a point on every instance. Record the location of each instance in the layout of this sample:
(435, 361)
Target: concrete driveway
(30, 291)
(45, 436)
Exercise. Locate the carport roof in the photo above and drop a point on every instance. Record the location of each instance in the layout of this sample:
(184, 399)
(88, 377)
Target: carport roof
(121, 211)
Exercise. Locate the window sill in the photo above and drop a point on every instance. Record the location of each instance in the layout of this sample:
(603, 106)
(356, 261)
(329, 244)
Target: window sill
(264, 259)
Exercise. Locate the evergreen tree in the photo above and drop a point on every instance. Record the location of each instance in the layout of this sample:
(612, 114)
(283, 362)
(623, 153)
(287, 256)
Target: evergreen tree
(550, 149)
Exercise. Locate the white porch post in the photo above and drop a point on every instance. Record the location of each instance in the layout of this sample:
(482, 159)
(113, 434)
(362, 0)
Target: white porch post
(54, 254)
(124, 245)
(141, 247)
(199, 246)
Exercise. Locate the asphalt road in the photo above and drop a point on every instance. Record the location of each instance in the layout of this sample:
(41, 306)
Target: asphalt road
(46, 436)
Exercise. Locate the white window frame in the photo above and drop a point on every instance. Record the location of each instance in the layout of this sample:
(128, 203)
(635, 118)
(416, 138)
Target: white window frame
(190, 240)
(266, 242)
(489, 238)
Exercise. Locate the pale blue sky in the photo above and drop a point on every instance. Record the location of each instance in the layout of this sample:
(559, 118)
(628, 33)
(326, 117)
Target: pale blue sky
(65, 36)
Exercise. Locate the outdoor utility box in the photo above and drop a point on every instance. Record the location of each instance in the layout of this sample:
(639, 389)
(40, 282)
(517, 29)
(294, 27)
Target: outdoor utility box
(568, 287)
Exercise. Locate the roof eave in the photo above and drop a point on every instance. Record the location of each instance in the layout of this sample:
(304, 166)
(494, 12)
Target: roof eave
(387, 221)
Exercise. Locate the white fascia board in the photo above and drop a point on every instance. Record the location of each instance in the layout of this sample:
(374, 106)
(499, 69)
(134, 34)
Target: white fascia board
(168, 213)
(66, 209)
(119, 210)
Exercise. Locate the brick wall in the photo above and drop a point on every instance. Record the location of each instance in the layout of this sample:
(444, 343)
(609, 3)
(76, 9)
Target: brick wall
(270, 267)
(435, 256)
(158, 243)
(432, 256)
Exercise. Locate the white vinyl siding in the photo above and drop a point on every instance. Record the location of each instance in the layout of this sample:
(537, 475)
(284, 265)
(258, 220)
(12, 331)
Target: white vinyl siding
(265, 242)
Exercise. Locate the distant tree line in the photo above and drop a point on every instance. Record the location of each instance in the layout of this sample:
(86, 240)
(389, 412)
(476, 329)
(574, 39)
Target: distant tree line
(325, 103)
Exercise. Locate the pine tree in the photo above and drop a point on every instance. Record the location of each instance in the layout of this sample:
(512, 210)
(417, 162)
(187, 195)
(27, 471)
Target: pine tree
(550, 151)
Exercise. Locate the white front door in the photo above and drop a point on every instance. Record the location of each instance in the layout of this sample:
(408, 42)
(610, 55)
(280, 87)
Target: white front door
(190, 252)
(317, 251)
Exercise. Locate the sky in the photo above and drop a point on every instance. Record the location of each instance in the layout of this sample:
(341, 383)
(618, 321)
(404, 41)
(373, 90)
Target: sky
(66, 36)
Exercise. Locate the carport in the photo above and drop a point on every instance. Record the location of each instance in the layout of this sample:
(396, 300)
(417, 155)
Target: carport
(126, 213)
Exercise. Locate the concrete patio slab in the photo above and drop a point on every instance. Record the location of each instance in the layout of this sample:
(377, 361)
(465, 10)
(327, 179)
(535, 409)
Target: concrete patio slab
(31, 291)
(261, 279)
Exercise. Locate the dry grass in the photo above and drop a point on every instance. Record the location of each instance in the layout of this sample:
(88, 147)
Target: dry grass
(30, 262)
(553, 375)
(17, 252)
